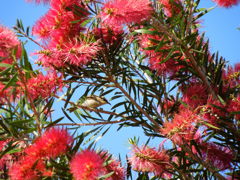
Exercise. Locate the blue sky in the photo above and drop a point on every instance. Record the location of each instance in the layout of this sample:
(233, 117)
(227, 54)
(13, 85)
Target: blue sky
(220, 26)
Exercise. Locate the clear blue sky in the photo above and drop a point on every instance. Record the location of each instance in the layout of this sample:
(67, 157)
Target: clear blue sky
(220, 26)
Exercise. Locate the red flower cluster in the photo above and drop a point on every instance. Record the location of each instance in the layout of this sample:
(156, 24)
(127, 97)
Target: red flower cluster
(227, 3)
(8, 42)
(108, 35)
(88, 165)
(182, 128)
(195, 95)
(113, 166)
(51, 144)
(4, 93)
(231, 77)
(42, 86)
(213, 111)
(4, 161)
(55, 26)
(158, 60)
(74, 53)
(234, 107)
(59, 28)
(28, 169)
(146, 159)
(218, 156)
(171, 7)
(118, 12)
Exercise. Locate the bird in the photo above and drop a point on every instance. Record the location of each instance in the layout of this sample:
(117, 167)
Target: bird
(91, 101)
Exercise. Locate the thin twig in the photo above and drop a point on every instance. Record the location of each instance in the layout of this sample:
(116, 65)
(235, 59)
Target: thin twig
(35, 113)
(31, 39)
(91, 124)
(136, 104)
(92, 83)
(206, 165)
(186, 51)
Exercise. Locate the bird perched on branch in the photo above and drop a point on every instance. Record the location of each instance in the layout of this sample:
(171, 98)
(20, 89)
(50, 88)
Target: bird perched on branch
(92, 101)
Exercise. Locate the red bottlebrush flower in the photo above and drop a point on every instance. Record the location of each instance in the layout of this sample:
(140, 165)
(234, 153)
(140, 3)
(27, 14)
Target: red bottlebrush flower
(169, 67)
(3, 92)
(118, 12)
(56, 27)
(8, 42)
(170, 6)
(7, 160)
(213, 111)
(114, 166)
(182, 128)
(231, 77)
(6, 95)
(226, 3)
(27, 169)
(80, 53)
(156, 58)
(4, 161)
(87, 165)
(169, 106)
(50, 58)
(218, 156)
(62, 4)
(42, 86)
(51, 144)
(234, 106)
(146, 159)
(74, 53)
(195, 95)
(109, 35)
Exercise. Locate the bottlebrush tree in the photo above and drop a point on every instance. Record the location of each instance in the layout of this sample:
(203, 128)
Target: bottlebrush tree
(149, 61)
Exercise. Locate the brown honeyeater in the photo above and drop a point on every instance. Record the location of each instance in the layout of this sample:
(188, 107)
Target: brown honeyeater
(92, 101)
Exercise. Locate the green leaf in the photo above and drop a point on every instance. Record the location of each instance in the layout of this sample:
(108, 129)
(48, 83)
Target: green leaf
(11, 82)
(106, 176)
(145, 31)
(5, 65)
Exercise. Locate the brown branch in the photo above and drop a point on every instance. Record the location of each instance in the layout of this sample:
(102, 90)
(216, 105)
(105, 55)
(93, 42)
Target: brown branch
(35, 113)
(206, 165)
(136, 104)
(91, 124)
(186, 50)
(200, 72)
(26, 36)
(92, 83)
